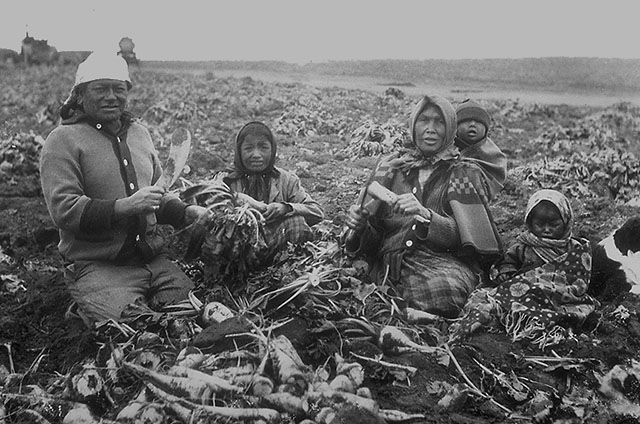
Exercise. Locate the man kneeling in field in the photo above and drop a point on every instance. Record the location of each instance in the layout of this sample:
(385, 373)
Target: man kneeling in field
(98, 170)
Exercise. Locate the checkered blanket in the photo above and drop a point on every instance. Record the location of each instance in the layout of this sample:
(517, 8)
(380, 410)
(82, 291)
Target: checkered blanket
(470, 208)
(435, 282)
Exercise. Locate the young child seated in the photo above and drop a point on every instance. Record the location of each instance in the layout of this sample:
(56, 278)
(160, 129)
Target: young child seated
(548, 218)
(474, 144)
(543, 277)
(289, 211)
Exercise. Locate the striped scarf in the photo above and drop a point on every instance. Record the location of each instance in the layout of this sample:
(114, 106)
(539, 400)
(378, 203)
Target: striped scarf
(548, 250)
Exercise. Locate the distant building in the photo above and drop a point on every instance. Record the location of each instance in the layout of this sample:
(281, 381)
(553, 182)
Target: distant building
(37, 52)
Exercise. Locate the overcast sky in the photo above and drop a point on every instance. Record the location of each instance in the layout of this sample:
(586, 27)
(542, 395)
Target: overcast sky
(301, 31)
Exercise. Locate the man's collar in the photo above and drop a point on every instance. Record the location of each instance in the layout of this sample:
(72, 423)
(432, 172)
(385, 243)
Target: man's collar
(126, 119)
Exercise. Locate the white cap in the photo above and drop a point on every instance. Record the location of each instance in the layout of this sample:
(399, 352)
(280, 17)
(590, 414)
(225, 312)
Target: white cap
(102, 65)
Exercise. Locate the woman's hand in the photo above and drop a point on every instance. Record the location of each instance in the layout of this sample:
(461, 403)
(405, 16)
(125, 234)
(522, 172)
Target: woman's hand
(501, 278)
(408, 204)
(255, 204)
(357, 218)
(276, 210)
(144, 201)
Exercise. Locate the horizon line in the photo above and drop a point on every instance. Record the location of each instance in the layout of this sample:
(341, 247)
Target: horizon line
(299, 62)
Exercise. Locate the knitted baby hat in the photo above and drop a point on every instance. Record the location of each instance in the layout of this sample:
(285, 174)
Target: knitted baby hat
(470, 109)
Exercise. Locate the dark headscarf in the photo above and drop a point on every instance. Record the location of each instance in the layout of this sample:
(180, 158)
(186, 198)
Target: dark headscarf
(255, 184)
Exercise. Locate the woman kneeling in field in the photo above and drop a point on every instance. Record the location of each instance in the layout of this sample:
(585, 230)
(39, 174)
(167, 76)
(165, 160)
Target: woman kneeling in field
(433, 238)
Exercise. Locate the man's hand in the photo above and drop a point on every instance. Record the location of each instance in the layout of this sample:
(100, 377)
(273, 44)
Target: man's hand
(193, 213)
(144, 201)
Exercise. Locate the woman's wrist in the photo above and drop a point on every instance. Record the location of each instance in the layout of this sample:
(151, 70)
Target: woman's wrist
(427, 214)
(287, 208)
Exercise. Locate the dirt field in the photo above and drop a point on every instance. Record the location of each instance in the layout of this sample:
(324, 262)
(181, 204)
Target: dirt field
(589, 152)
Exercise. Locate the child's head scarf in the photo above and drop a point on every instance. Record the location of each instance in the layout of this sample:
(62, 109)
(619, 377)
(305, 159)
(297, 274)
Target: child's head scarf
(558, 200)
(255, 184)
(549, 249)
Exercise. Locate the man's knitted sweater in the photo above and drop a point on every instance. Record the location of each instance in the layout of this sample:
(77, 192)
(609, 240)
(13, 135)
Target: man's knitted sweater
(84, 168)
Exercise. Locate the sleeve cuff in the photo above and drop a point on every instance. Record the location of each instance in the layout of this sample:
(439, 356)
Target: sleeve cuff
(442, 232)
(417, 231)
(97, 216)
(421, 227)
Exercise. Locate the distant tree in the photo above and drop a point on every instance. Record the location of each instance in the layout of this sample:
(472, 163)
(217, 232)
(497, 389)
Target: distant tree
(9, 57)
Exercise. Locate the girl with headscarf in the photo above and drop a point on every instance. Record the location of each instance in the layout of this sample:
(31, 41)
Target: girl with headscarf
(549, 219)
(289, 211)
(432, 242)
(543, 278)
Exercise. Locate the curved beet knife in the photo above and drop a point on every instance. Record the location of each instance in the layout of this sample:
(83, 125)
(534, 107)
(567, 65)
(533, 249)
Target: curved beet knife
(177, 160)
(178, 155)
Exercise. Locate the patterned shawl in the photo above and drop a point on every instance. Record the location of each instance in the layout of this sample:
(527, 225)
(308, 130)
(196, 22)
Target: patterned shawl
(493, 162)
(536, 306)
